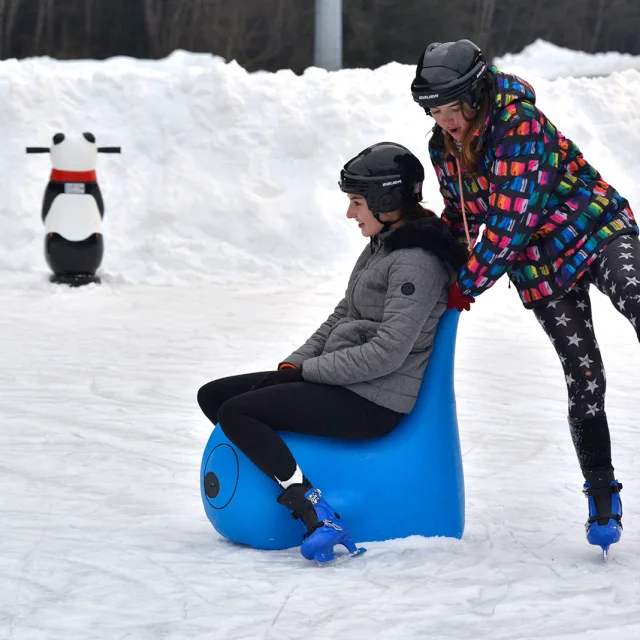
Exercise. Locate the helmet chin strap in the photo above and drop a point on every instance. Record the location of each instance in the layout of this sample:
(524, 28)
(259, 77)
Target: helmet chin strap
(386, 225)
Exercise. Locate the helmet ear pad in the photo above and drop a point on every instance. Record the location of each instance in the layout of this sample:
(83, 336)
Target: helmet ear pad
(388, 202)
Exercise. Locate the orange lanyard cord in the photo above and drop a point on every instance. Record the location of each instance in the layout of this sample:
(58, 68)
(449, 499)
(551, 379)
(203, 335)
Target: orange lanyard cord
(462, 206)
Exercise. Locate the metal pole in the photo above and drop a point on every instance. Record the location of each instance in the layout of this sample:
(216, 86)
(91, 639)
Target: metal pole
(328, 49)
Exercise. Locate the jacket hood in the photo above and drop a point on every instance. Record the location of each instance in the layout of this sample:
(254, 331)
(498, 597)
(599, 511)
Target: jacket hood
(431, 234)
(508, 88)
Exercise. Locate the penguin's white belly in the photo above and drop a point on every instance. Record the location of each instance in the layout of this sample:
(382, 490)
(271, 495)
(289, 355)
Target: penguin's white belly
(73, 216)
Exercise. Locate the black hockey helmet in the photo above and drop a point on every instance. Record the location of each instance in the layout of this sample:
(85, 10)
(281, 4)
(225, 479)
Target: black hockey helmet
(387, 175)
(450, 71)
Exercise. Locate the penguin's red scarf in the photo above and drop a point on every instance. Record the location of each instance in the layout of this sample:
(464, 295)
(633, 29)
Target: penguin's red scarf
(73, 176)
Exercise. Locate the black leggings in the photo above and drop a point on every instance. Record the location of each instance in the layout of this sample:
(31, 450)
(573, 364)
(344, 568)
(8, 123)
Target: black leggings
(569, 324)
(250, 418)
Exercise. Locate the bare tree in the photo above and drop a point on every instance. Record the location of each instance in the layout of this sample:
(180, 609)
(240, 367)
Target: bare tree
(485, 10)
(274, 34)
(3, 28)
(88, 18)
(153, 14)
(171, 24)
(44, 25)
(8, 15)
(597, 24)
(196, 22)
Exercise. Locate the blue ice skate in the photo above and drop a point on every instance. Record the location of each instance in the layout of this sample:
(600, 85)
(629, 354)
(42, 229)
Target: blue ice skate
(604, 526)
(325, 529)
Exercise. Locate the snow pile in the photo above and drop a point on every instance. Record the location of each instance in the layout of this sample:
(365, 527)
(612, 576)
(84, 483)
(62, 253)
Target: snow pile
(223, 173)
(543, 59)
(228, 175)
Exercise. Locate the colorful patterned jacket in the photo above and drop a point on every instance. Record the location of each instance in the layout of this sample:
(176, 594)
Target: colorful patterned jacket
(547, 211)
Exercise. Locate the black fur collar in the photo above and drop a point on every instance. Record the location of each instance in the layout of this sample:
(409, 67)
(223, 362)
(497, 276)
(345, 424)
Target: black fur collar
(436, 141)
(431, 234)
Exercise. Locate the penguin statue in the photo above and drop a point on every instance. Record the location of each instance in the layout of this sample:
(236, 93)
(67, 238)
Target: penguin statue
(73, 209)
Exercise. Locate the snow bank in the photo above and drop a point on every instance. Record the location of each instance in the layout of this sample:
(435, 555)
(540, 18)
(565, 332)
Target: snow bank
(546, 60)
(226, 175)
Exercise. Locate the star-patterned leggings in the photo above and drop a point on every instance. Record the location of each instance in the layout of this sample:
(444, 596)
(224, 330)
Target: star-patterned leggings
(569, 324)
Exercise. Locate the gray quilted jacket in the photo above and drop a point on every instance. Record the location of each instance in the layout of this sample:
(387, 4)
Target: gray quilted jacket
(378, 340)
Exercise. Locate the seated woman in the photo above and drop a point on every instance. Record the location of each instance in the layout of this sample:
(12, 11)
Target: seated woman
(361, 370)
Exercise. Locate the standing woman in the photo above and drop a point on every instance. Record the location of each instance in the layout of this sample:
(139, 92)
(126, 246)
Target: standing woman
(357, 375)
(551, 222)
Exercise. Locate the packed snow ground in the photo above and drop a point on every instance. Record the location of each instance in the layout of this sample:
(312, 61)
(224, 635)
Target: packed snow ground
(226, 245)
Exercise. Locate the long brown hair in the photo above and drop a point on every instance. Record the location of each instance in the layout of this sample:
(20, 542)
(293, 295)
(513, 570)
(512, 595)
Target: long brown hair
(414, 211)
(469, 152)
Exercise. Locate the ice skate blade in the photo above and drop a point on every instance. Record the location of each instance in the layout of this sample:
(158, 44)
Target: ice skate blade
(342, 558)
(605, 554)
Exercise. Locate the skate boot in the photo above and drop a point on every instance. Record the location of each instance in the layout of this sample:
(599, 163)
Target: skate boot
(325, 529)
(604, 526)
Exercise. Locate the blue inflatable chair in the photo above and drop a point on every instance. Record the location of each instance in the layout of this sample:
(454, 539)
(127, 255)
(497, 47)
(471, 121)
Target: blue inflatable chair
(406, 483)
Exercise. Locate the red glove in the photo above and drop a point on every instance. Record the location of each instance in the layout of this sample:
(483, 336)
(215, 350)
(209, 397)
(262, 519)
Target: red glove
(459, 300)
